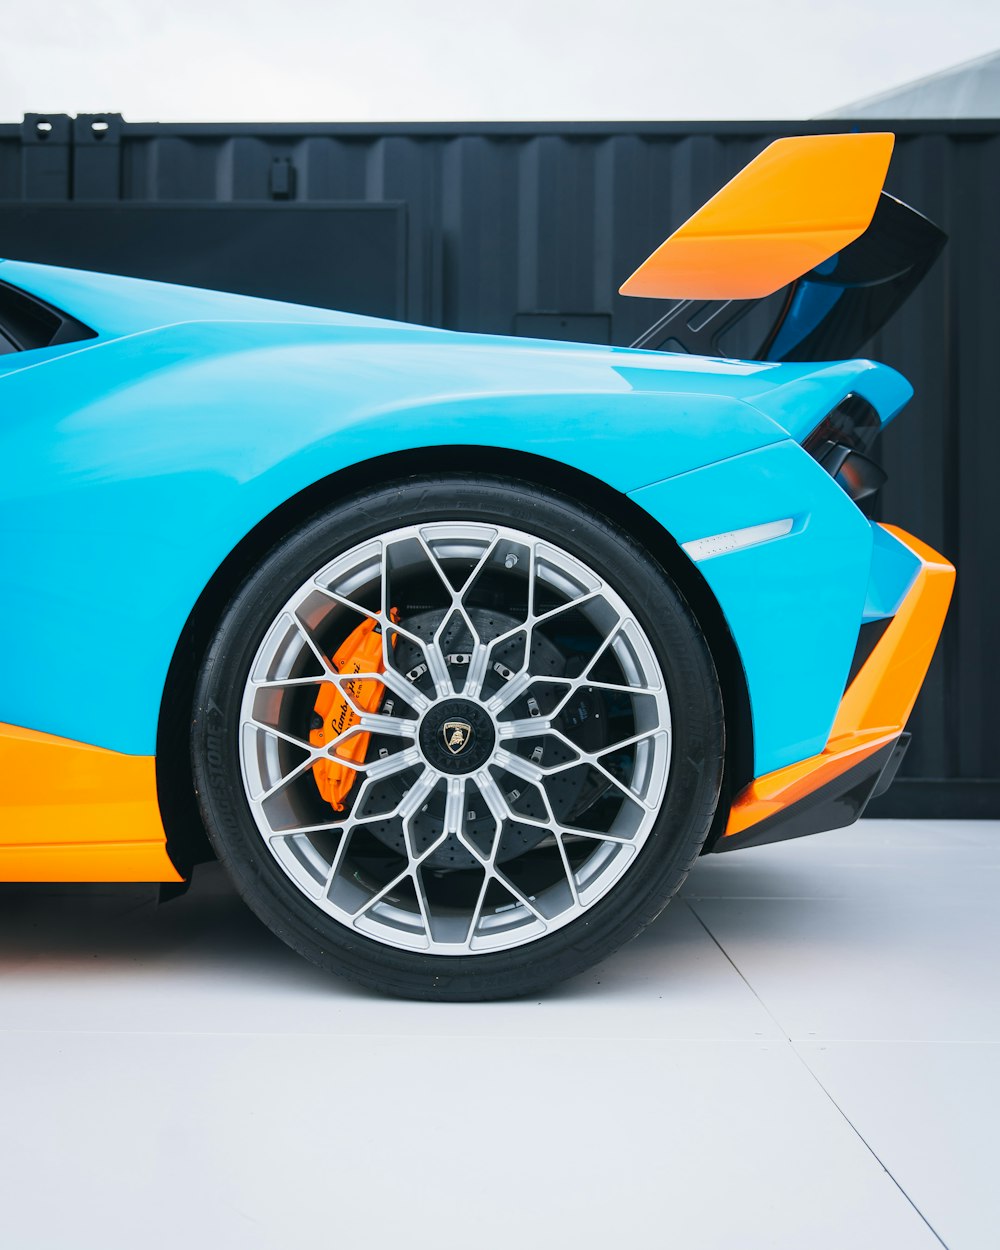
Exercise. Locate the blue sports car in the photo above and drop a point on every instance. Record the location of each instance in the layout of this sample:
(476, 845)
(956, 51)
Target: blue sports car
(457, 650)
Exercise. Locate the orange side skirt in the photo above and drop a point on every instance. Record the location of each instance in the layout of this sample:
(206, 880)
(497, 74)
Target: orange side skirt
(72, 812)
(876, 705)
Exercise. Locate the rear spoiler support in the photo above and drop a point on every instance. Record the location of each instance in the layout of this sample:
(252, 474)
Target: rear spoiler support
(828, 313)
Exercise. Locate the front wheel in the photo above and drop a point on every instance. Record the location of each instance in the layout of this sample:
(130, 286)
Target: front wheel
(457, 738)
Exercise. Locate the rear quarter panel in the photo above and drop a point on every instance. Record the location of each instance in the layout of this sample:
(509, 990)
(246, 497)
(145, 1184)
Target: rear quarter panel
(135, 466)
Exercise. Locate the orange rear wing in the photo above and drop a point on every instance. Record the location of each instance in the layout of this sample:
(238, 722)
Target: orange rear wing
(794, 206)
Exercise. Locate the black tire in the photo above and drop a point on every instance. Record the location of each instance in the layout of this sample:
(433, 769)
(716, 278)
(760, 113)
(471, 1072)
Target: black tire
(692, 789)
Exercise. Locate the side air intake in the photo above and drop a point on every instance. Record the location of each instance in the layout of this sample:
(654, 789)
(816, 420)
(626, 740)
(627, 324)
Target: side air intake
(27, 323)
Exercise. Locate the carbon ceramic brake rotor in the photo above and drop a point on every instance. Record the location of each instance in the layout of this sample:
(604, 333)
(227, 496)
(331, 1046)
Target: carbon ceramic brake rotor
(565, 790)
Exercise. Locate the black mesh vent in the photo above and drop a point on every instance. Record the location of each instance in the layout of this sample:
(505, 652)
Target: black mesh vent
(853, 424)
(840, 443)
(869, 636)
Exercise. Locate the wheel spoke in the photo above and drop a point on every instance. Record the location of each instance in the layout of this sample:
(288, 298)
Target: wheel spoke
(568, 869)
(417, 795)
(282, 683)
(301, 743)
(492, 794)
(305, 633)
(386, 625)
(289, 777)
(433, 658)
(520, 896)
(382, 768)
(505, 697)
(386, 726)
(480, 652)
(410, 871)
(512, 762)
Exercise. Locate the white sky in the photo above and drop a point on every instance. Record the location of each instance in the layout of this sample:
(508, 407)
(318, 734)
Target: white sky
(377, 60)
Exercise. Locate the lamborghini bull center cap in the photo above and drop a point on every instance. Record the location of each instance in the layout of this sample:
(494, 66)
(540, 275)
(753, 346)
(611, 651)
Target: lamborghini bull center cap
(457, 736)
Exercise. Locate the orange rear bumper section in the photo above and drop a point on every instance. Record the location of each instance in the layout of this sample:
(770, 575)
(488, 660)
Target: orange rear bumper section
(876, 705)
(72, 812)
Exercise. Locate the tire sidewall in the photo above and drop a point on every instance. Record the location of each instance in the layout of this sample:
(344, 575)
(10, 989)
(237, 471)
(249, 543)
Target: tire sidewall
(647, 883)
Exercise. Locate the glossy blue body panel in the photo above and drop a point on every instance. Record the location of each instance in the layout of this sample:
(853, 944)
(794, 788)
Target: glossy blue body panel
(894, 567)
(136, 461)
(793, 604)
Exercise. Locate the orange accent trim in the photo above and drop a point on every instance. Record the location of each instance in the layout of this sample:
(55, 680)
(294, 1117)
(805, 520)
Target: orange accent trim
(88, 861)
(884, 692)
(795, 205)
(775, 791)
(876, 705)
(73, 812)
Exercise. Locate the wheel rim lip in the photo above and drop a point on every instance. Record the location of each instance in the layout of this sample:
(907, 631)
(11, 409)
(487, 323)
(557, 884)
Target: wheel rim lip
(611, 859)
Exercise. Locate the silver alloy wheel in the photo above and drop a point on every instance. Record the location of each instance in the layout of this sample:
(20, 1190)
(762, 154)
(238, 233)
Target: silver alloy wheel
(518, 757)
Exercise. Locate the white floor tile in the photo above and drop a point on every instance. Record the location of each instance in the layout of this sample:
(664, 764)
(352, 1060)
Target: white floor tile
(843, 969)
(930, 1113)
(118, 1140)
(933, 860)
(897, 939)
(204, 964)
(176, 1075)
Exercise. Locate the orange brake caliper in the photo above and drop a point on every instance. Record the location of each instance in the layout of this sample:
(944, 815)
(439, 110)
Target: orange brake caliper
(360, 652)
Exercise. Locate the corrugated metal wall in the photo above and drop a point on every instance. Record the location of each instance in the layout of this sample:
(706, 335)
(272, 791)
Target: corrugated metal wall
(536, 226)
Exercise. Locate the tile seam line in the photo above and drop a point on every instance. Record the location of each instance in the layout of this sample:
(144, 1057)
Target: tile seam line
(833, 1102)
